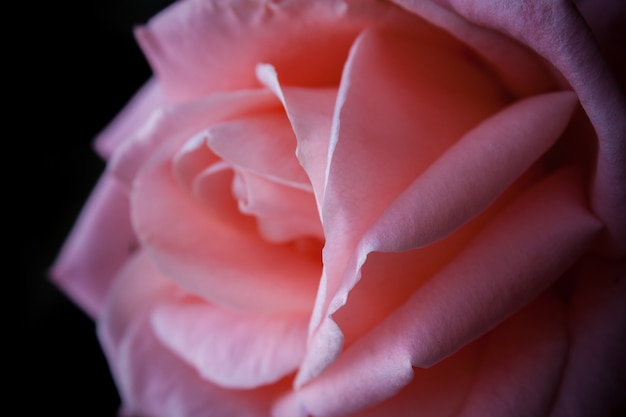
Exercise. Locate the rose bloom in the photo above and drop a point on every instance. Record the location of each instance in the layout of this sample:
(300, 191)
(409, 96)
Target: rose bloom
(330, 208)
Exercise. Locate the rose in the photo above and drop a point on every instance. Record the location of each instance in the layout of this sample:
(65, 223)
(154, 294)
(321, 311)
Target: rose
(468, 208)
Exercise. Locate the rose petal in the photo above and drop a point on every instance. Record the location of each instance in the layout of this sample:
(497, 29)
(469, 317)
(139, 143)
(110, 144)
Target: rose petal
(200, 47)
(512, 371)
(225, 263)
(467, 178)
(130, 118)
(521, 71)
(264, 145)
(373, 159)
(437, 391)
(283, 213)
(552, 228)
(230, 349)
(522, 363)
(594, 379)
(606, 20)
(151, 379)
(557, 31)
(94, 251)
(310, 113)
(170, 126)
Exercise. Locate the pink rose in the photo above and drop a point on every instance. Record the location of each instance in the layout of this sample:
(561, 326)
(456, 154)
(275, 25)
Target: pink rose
(336, 208)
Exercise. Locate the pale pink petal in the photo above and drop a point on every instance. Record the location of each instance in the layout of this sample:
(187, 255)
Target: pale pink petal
(101, 241)
(468, 177)
(172, 125)
(198, 47)
(510, 263)
(594, 381)
(225, 263)
(151, 379)
(230, 349)
(557, 32)
(130, 118)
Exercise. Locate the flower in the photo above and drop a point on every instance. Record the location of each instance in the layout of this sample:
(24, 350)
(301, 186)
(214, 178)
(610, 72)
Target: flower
(361, 208)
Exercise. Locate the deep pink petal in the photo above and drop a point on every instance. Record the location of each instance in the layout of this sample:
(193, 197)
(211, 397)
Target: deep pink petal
(230, 349)
(225, 263)
(151, 379)
(99, 244)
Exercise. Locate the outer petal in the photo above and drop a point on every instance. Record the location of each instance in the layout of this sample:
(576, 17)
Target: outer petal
(94, 251)
(197, 47)
(169, 126)
(555, 30)
(144, 102)
(152, 380)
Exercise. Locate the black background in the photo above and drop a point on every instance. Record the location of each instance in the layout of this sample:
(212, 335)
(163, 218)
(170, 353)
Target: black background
(71, 67)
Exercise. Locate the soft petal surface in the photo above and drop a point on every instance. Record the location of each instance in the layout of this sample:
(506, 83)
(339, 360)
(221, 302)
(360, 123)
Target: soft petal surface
(94, 251)
(198, 47)
(552, 228)
(468, 177)
(228, 264)
(230, 349)
(310, 113)
(172, 125)
(557, 31)
(374, 158)
(521, 363)
(152, 380)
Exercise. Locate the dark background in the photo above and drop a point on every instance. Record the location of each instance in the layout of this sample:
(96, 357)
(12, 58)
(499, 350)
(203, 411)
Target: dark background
(71, 67)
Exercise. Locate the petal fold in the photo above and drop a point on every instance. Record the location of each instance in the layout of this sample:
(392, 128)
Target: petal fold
(226, 263)
(152, 380)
